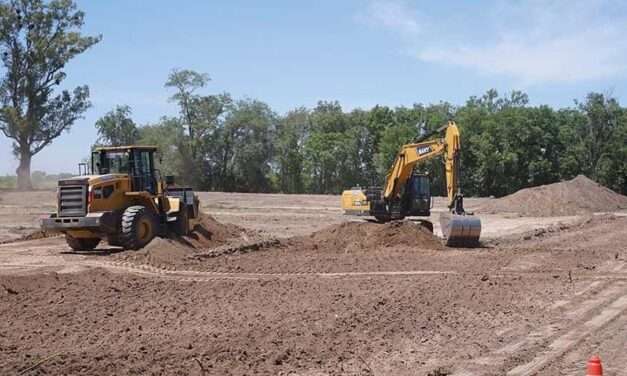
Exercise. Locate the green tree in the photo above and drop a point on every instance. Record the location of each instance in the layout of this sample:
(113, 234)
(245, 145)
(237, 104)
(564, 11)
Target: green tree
(186, 82)
(166, 134)
(602, 116)
(612, 165)
(249, 131)
(571, 150)
(211, 113)
(326, 148)
(117, 128)
(37, 40)
(291, 136)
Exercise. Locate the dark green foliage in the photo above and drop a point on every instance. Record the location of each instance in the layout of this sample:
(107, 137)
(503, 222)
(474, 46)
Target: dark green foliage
(221, 144)
(117, 128)
(292, 131)
(37, 40)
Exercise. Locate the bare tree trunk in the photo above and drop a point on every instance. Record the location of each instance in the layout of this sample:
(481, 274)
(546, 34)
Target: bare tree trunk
(24, 182)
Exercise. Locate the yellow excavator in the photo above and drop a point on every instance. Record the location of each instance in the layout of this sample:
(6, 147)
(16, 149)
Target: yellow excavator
(407, 193)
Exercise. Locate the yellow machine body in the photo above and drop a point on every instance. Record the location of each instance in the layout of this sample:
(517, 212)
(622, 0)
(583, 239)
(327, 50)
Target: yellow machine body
(355, 202)
(406, 193)
(126, 199)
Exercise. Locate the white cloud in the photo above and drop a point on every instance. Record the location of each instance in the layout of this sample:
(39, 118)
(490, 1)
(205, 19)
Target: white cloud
(393, 15)
(533, 42)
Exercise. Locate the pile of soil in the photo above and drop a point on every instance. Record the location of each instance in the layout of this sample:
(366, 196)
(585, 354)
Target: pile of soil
(369, 236)
(573, 197)
(34, 235)
(324, 250)
(207, 234)
(211, 233)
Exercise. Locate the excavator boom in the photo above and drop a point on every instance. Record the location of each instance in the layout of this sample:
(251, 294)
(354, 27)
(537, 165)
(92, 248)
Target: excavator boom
(398, 196)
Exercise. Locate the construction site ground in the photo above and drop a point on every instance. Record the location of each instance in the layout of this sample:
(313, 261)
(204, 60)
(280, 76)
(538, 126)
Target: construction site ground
(291, 286)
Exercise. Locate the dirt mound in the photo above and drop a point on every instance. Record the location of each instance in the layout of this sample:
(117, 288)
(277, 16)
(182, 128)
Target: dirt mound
(211, 233)
(253, 252)
(34, 235)
(207, 234)
(368, 236)
(577, 196)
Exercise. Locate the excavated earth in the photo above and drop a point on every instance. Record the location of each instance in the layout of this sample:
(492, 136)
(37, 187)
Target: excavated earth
(342, 298)
(577, 196)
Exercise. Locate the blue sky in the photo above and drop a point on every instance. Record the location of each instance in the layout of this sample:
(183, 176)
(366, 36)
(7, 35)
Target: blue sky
(360, 52)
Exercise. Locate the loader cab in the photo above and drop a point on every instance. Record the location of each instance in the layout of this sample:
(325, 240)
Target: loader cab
(416, 199)
(135, 161)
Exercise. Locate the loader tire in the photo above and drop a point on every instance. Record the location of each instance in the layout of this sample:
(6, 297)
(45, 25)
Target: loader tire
(181, 226)
(139, 227)
(81, 244)
(114, 241)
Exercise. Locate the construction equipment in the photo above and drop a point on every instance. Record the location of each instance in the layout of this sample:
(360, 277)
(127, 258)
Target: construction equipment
(407, 193)
(120, 197)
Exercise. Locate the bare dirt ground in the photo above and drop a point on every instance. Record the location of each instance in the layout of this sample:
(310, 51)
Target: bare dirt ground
(300, 289)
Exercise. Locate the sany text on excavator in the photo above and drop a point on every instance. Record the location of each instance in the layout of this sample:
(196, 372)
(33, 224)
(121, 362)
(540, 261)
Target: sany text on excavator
(407, 193)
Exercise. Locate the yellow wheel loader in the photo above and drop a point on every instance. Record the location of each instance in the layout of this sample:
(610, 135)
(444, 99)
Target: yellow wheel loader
(407, 193)
(121, 198)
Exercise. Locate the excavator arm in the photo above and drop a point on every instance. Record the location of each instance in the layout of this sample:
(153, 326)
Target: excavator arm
(390, 201)
(411, 154)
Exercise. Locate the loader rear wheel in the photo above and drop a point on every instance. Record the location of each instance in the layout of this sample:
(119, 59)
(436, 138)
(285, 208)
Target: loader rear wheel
(139, 227)
(81, 244)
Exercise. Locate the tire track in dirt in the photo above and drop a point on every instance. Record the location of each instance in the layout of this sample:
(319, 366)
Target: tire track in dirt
(572, 338)
(609, 342)
(595, 306)
(199, 276)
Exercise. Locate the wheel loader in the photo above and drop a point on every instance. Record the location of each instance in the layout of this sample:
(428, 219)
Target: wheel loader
(121, 198)
(407, 193)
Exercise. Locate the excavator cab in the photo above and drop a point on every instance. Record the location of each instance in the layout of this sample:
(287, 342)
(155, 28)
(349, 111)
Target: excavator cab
(416, 199)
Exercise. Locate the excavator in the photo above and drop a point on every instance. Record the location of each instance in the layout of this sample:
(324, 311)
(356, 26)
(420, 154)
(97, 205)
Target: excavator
(407, 193)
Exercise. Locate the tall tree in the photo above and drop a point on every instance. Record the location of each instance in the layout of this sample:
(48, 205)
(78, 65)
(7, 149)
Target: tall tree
(117, 128)
(249, 130)
(290, 139)
(37, 40)
(187, 82)
(166, 134)
(602, 115)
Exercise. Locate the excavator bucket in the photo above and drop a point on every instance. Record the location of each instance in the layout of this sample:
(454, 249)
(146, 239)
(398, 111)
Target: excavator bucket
(460, 230)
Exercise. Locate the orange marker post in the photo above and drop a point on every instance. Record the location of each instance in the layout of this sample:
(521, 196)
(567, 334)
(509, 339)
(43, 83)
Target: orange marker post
(594, 367)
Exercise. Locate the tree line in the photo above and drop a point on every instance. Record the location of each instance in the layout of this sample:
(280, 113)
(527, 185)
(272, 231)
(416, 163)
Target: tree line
(220, 143)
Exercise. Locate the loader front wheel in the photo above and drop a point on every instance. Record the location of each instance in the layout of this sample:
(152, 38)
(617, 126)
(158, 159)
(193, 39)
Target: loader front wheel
(81, 244)
(139, 227)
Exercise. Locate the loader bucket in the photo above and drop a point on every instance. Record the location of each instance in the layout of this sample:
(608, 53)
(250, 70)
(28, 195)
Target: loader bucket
(460, 230)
